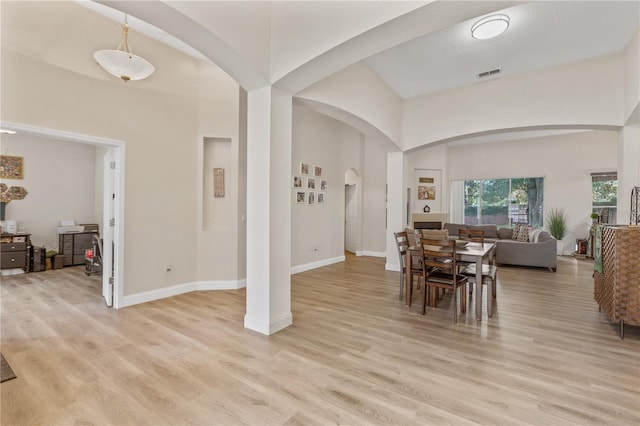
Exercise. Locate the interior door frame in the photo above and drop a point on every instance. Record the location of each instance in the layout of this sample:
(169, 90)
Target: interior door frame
(118, 148)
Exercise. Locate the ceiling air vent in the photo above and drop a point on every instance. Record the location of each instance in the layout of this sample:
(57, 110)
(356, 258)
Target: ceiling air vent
(488, 73)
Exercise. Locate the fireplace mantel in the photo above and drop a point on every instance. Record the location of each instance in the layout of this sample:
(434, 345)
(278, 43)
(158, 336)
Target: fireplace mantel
(429, 217)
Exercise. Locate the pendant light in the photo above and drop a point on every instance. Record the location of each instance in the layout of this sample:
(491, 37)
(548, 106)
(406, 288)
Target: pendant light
(121, 62)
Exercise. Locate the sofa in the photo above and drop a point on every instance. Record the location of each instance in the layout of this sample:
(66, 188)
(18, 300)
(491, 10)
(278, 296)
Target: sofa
(534, 247)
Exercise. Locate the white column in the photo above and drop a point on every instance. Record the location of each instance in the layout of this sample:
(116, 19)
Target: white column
(269, 122)
(628, 169)
(395, 206)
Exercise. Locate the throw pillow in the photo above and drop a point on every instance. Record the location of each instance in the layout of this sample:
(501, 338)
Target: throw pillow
(534, 234)
(521, 232)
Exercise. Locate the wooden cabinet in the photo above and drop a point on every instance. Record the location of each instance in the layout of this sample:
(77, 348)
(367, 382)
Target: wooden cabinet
(617, 287)
(72, 246)
(15, 251)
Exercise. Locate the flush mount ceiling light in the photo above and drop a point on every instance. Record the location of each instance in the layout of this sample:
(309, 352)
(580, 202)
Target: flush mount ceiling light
(121, 62)
(489, 27)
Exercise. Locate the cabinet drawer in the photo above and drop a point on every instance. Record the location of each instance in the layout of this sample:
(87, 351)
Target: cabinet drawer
(7, 247)
(14, 260)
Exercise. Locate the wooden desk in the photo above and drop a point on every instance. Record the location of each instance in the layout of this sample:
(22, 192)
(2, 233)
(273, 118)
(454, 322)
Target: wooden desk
(475, 250)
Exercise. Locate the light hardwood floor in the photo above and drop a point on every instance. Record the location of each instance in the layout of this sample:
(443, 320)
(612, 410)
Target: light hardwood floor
(354, 355)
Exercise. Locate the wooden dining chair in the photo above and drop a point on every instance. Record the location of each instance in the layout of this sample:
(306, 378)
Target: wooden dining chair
(470, 235)
(440, 272)
(489, 278)
(402, 242)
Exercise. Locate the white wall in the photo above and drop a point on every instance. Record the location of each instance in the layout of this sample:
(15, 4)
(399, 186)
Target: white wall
(565, 161)
(159, 131)
(632, 76)
(585, 93)
(218, 219)
(60, 180)
(318, 231)
(359, 91)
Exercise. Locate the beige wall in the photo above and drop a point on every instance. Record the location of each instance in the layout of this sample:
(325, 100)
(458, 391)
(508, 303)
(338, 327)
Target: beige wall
(60, 181)
(159, 131)
(565, 161)
(585, 93)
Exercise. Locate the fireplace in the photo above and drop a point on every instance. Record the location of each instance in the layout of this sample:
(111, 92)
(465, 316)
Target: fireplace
(427, 225)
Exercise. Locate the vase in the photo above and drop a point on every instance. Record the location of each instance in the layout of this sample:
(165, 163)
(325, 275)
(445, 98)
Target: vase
(560, 247)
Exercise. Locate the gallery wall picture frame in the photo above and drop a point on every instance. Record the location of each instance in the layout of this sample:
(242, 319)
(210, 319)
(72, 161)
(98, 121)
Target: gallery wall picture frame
(321, 198)
(311, 183)
(301, 197)
(311, 198)
(297, 181)
(11, 167)
(324, 185)
(304, 168)
(317, 170)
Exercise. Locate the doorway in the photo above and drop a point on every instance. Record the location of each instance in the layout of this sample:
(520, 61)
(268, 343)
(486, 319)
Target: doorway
(113, 206)
(350, 217)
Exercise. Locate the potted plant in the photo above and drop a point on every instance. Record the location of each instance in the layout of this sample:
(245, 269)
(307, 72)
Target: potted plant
(557, 224)
(594, 217)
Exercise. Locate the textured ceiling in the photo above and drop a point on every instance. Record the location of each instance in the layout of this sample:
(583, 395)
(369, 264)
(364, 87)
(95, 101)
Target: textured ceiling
(541, 34)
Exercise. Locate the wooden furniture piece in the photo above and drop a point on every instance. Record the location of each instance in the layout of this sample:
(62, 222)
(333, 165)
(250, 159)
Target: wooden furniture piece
(402, 242)
(469, 235)
(617, 287)
(72, 246)
(15, 251)
(478, 252)
(441, 256)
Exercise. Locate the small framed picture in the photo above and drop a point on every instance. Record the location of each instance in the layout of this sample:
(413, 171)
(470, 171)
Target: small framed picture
(301, 197)
(297, 181)
(323, 185)
(311, 199)
(311, 183)
(321, 198)
(304, 168)
(317, 171)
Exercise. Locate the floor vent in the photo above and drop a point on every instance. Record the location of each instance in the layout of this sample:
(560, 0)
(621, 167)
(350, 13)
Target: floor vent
(488, 73)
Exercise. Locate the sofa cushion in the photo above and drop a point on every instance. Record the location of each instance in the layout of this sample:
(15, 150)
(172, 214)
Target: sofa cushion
(544, 236)
(520, 232)
(534, 233)
(505, 233)
(490, 231)
(454, 228)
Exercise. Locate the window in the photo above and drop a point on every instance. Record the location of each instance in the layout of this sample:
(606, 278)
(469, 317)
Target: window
(504, 201)
(604, 196)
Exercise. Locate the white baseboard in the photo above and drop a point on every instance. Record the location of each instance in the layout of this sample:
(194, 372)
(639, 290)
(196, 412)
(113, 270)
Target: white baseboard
(318, 264)
(391, 267)
(371, 253)
(271, 327)
(163, 293)
(221, 285)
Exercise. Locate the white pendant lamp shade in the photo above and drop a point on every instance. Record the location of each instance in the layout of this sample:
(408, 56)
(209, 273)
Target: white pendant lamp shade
(489, 27)
(122, 63)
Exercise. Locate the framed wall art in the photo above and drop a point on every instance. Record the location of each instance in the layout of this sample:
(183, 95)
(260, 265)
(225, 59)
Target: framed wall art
(304, 168)
(321, 198)
(218, 182)
(301, 197)
(323, 185)
(311, 198)
(11, 167)
(297, 181)
(428, 187)
(311, 183)
(317, 171)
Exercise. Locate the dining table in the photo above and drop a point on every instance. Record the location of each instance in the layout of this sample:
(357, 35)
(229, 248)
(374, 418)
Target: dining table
(472, 250)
